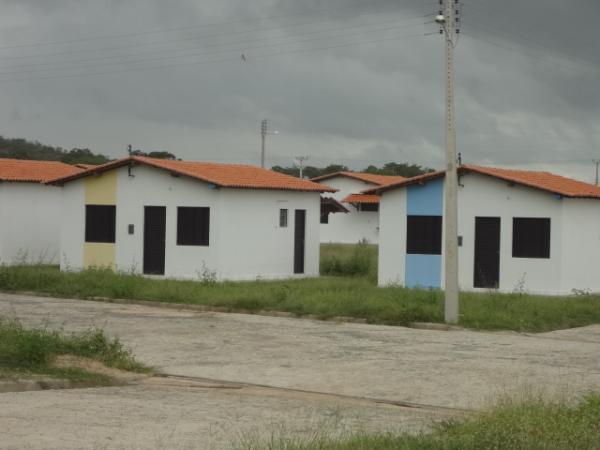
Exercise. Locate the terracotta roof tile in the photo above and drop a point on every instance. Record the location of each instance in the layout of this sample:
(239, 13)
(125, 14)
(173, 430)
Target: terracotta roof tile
(85, 166)
(222, 175)
(362, 198)
(379, 180)
(567, 187)
(24, 170)
(545, 181)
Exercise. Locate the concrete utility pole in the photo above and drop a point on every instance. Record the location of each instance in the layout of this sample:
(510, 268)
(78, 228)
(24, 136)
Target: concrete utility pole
(301, 160)
(263, 135)
(597, 162)
(448, 21)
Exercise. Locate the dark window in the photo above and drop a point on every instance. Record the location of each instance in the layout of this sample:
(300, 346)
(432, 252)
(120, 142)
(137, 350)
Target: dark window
(369, 207)
(325, 218)
(424, 235)
(531, 238)
(283, 218)
(100, 223)
(193, 225)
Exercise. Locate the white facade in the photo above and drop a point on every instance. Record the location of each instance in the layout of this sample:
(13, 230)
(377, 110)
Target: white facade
(245, 239)
(574, 239)
(354, 226)
(29, 223)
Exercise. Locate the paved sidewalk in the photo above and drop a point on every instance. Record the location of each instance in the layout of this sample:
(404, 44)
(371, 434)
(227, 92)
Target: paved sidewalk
(455, 369)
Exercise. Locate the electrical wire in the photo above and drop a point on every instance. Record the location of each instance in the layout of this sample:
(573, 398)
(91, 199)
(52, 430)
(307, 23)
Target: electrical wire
(213, 61)
(223, 33)
(129, 59)
(177, 29)
(530, 41)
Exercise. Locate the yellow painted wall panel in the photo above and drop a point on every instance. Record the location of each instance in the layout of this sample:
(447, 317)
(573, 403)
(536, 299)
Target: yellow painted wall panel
(99, 254)
(101, 189)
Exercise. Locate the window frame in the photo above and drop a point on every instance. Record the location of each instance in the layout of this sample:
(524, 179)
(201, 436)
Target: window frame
(92, 233)
(523, 246)
(283, 217)
(199, 233)
(414, 242)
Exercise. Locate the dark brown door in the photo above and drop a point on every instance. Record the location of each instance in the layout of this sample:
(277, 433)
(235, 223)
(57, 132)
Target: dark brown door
(299, 239)
(487, 252)
(154, 239)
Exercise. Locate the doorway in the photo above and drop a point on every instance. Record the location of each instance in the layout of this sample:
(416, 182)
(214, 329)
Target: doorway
(299, 240)
(154, 239)
(487, 252)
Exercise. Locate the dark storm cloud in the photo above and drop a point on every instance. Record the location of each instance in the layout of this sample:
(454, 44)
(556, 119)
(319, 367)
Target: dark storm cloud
(527, 76)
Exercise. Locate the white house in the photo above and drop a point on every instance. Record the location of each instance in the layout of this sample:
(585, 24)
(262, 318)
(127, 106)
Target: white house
(361, 221)
(518, 231)
(185, 219)
(30, 210)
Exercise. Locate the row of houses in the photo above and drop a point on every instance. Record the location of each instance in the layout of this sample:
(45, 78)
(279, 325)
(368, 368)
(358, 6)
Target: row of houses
(156, 217)
(518, 230)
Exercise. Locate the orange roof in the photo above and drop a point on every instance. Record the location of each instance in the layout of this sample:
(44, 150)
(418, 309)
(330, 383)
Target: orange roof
(362, 198)
(545, 181)
(85, 166)
(567, 187)
(379, 180)
(25, 170)
(222, 175)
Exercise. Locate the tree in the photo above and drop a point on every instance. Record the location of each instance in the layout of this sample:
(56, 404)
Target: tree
(158, 155)
(19, 148)
(398, 169)
(391, 168)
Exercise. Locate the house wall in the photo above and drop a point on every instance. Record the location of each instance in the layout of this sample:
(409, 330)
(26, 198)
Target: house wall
(100, 190)
(29, 223)
(245, 240)
(251, 242)
(424, 200)
(354, 226)
(482, 196)
(392, 238)
(72, 230)
(581, 245)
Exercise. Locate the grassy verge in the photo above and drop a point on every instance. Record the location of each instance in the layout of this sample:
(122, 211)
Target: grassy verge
(31, 352)
(349, 260)
(531, 425)
(324, 297)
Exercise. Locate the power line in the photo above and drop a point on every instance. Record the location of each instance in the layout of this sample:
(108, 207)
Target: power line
(176, 29)
(512, 35)
(479, 7)
(194, 63)
(130, 60)
(520, 50)
(193, 38)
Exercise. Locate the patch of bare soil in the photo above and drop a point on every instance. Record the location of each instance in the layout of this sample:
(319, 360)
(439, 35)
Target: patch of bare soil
(93, 366)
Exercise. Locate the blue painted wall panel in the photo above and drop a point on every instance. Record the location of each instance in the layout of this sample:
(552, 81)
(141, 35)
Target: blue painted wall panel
(423, 271)
(425, 200)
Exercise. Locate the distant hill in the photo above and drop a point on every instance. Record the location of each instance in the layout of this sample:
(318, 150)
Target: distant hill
(18, 148)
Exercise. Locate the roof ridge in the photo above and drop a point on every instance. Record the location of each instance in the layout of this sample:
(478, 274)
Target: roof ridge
(233, 176)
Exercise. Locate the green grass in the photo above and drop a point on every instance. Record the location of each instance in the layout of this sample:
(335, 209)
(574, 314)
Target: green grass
(324, 297)
(349, 260)
(531, 425)
(25, 352)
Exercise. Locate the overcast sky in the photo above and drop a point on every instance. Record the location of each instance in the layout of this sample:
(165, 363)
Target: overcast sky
(344, 81)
